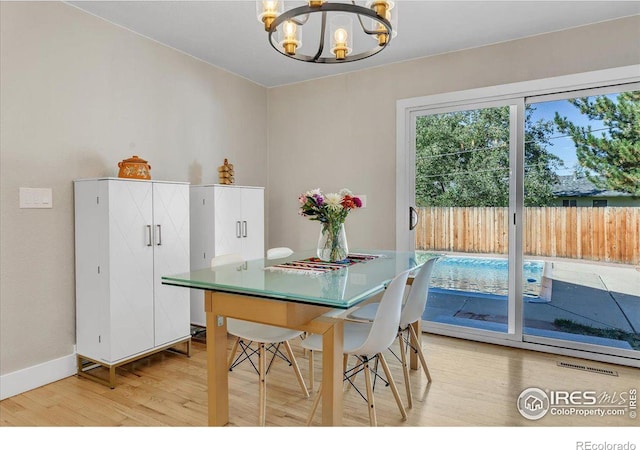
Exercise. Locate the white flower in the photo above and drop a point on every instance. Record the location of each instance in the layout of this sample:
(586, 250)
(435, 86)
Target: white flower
(333, 201)
(345, 191)
(313, 192)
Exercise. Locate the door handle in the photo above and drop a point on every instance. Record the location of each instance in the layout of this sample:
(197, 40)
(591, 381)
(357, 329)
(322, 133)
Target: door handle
(159, 235)
(149, 241)
(413, 218)
(244, 228)
(238, 231)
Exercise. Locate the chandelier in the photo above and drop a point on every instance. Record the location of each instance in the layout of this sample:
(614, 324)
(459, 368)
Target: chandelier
(376, 26)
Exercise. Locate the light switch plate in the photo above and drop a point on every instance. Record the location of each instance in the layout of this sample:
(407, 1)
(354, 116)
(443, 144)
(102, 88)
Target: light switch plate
(36, 198)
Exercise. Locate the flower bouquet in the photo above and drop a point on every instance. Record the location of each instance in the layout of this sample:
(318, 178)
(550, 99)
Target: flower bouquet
(331, 210)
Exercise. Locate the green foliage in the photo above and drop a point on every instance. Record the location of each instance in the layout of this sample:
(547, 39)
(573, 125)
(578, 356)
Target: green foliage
(613, 158)
(570, 326)
(462, 159)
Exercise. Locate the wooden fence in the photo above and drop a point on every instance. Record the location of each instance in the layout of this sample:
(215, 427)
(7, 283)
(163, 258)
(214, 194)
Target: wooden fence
(600, 234)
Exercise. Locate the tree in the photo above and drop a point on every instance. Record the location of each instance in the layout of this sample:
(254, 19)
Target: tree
(462, 159)
(613, 159)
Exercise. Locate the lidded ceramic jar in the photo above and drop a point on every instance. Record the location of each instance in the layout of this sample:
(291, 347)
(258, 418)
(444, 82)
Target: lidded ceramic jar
(134, 167)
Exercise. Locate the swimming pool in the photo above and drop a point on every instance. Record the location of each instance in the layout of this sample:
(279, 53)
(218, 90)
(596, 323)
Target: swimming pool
(484, 275)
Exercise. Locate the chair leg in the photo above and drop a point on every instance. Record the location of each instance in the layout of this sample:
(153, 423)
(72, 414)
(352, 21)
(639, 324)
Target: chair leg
(354, 372)
(392, 385)
(262, 406)
(296, 368)
(302, 338)
(405, 368)
(311, 378)
(372, 409)
(314, 407)
(420, 354)
(232, 355)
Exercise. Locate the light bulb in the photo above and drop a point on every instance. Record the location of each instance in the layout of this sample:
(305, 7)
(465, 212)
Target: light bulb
(270, 10)
(340, 36)
(290, 29)
(289, 37)
(383, 35)
(270, 6)
(381, 7)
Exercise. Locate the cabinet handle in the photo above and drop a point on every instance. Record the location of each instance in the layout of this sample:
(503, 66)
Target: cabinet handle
(238, 232)
(149, 243)
(244, 228)
(159, 235)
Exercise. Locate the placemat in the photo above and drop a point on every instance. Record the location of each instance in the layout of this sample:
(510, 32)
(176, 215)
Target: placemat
(315, 266)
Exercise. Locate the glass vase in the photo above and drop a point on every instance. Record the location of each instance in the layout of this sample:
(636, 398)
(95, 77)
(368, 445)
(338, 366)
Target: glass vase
(332, 243)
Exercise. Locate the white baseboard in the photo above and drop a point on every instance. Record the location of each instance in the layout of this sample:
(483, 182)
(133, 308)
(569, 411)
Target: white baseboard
(33, 377)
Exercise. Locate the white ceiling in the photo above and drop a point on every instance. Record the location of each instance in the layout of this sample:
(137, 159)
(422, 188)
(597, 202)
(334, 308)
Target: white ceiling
(228, 35)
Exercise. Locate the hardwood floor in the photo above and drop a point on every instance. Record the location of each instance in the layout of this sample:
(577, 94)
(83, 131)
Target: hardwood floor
(474, 384)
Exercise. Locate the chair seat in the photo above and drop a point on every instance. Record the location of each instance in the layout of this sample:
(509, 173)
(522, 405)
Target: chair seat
(279, 252)
(367, 312)
(256, 332)
(355, 334)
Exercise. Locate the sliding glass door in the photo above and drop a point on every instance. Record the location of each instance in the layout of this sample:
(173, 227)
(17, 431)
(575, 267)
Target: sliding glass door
(583, 227)
(532, 205)
(462, 185)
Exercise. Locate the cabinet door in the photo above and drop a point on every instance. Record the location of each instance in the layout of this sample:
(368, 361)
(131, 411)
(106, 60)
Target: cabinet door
(130, 269)
(228, 220)
(171, 256)
(253, 223)
(201, 207)
(92, 270)
(202, 226)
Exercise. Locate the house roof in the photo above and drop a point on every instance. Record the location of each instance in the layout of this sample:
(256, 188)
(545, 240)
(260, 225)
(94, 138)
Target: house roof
(572, 186)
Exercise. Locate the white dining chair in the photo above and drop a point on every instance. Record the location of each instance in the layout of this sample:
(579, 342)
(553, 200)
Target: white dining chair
(367, 341)
(279, 252)
(412, 311)
(267, 338)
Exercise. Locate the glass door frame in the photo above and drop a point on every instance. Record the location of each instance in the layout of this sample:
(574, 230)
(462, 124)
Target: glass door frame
(512, 94)
(516, 145)
(588, 92)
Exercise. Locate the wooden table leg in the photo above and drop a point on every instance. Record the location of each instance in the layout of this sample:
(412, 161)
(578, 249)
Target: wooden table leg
(332, 374)
(218, 305)
(217, 373)
(413, 357)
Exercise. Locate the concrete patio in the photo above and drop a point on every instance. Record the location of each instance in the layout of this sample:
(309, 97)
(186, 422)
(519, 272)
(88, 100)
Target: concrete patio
(597, 295)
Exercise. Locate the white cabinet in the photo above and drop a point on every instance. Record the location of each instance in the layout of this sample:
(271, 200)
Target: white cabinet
(224, 219)
(128, 234)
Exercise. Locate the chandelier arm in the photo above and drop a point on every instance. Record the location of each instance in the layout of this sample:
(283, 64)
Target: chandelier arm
(323, 29)
(364, 29)
(300, 21)
(370, 32)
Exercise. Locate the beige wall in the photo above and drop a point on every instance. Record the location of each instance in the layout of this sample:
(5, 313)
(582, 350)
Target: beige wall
(340, 131)
(79, 95)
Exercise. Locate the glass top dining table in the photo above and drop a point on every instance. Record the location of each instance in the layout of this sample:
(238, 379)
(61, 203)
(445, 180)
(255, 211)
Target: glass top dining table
(295, 292)
(296, 279)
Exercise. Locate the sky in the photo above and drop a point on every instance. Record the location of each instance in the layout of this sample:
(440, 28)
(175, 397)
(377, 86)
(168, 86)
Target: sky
(563, 146)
